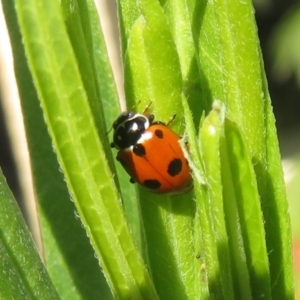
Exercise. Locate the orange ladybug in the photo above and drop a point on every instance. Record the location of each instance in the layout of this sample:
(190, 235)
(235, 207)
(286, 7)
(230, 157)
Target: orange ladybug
(150, 153)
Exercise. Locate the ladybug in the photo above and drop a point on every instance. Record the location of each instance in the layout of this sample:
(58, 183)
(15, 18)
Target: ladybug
(150, 153)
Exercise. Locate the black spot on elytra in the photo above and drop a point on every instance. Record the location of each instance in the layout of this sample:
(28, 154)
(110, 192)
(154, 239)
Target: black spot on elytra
(175, 167)
(159, 133)
(139, 150)
(152, 184)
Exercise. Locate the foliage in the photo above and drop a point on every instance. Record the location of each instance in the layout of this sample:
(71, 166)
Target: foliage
(233, 240)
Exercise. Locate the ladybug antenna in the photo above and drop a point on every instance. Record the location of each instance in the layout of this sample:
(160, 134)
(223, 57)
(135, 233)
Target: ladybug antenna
(136, 104)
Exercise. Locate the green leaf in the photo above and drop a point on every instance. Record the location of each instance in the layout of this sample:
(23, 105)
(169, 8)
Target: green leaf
(23, 273)
(184, 18)
(244, 216)
(152, 74)
(212, 210)
(128, 13)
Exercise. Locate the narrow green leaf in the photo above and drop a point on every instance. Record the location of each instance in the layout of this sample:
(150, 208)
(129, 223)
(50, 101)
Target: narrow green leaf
(249, 209)
(23, 275)
(217, 253)
(128, 13)
(276, 213)
(87, 40)
(184, 17)
(88, 43)
(201, 226)
(178, 14)
(152, 74)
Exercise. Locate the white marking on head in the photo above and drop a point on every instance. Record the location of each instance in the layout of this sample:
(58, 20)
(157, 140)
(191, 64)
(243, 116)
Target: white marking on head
(134, 126)
(145, 137)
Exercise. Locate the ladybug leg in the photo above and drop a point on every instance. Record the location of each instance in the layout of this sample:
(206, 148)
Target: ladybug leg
(131, 180)
(158, 123)
(112, 145)
(164, 124)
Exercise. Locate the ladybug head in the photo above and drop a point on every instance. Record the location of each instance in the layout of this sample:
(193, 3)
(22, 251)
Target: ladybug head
(128, 129)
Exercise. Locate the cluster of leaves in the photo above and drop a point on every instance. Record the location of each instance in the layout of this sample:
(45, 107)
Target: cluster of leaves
(233, 241)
